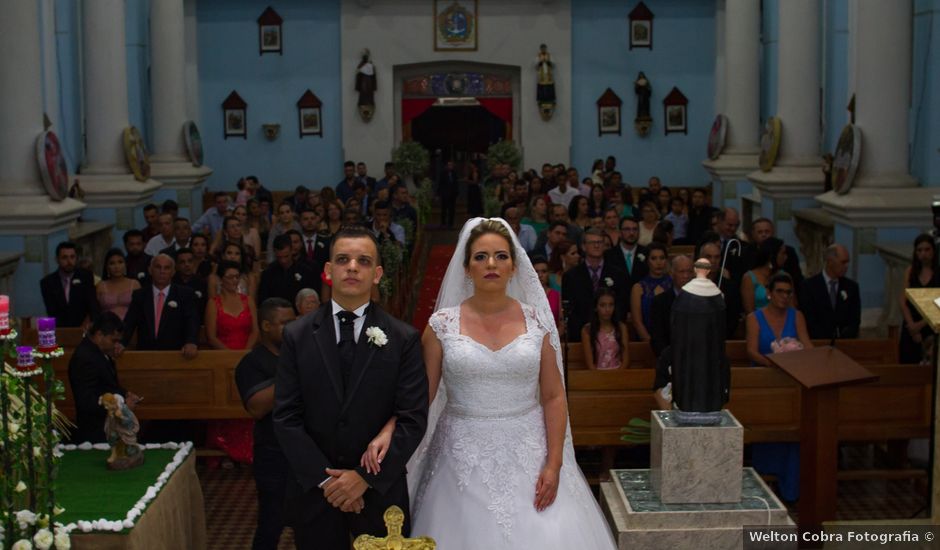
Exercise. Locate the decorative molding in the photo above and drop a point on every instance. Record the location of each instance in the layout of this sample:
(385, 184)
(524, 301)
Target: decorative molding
(113, 191)
(792, 182)
(864, 207)
(38, 215)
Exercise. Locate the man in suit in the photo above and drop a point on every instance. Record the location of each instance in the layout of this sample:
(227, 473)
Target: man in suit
(285, 277)
(731, 289)
(336, 387)
(581, 282)
(92, 373)
(182, 235)
(316, 247)
(448, 189)
(344, 189)
(138, 261)
(556, 232)
(661, 309)
(69, 291)
(628, 254)
(363, 177)
(831, 301)
(187, 275)
(163, 315)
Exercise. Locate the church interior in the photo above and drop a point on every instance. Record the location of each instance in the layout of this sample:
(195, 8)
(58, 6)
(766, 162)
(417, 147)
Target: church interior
(782, 152)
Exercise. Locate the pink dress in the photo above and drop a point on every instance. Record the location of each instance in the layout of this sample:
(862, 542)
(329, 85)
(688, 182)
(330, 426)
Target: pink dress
(608, 352)
(115, 302)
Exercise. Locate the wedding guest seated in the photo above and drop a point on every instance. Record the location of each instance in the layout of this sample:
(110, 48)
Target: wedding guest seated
(654, 283)
(830, 300)
(564, 257)
(170, 207)
(138, 261)
(152, 229)
(230, 317)
(661, 309)
(285, 222)
(540, 264)
(679, 220)
(922, 273)
(334, 218)
(249, 280)
(182, 237)
(351, 215)
(210, 222)
(383, 227)
(87, 264)
(250, 235)
(232, 234)
(526, 234)
(162, 315)
(754, 293)
(254, 376)
(556, 233)
(92, 373)
(69, 292)
(663, 234)
(537, 215)
(605, 339)
(164, 238)
(115, 289)
(763, 229)
(651, 193)
(199, 244)
(284, 278)
(186, 275)
(711, 251)
(580, 284)
(649, 219)
(401, 205)
(612, 226)
(579, 212)
(700, 214)
(307, 301)
(629, 254)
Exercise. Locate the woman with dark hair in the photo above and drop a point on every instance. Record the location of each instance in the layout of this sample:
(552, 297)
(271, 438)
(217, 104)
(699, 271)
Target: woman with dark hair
(649, 219)
(913, 346)
(597, 202)
(565, 256)
(579, 211)
(768, 260)
(248, 279)
(540, 264)
(663, 233)
(608, 337)
(647, 288)
(628, 208)
(116, 288)
(199, 243)
(612, 225)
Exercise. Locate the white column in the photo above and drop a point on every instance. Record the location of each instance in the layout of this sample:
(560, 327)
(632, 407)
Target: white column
(50, 62)
(798, 82)
(21, 107)
(742, 81)
(720, 64)
(104, 60)
(192, 59)
(881, 42)
(167, 73)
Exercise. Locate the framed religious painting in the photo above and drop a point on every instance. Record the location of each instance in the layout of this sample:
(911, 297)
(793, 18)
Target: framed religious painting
(845, 163)
(717, 136)
(676, 106)
(53, 169)
(770, 144)
(455, 25)
(270, 25)
(235, 116)
(193, 141)
(608, 113)
(308, 111)
(138, 158)
(641, 27)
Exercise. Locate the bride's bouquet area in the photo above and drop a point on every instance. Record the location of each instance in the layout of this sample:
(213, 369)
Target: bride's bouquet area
(30, 429)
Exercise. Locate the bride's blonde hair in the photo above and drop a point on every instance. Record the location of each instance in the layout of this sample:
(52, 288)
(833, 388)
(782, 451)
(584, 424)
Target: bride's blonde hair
(488, 226)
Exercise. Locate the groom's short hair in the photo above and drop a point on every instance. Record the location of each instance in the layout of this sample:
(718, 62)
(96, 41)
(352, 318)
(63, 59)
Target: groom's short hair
(356, 232)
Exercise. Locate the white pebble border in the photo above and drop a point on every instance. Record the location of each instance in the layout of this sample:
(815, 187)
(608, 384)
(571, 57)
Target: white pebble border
(182, 451)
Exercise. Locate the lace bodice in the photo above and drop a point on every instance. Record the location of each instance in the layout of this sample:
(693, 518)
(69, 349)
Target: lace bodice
(483, 383)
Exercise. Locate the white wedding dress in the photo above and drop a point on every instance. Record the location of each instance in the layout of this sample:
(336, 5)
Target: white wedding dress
(477, 486)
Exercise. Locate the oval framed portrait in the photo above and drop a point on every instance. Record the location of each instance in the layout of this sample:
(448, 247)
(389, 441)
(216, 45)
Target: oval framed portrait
(717, 136)
(53, 168)
(138, 159)
(770, 143)
(193, 140)
(845, 163)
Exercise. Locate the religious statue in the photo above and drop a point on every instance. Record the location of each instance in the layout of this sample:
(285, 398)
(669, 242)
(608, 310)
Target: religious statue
(366, 86)
(643, 121)
(545, 94)
(394, 520)
(121, 427)
(701, 375)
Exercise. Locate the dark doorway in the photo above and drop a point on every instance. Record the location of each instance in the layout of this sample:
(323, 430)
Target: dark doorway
(457, 131)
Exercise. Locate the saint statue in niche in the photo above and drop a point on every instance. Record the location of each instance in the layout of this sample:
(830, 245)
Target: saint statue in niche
(545, 94)
(643, 91)
(366, 86)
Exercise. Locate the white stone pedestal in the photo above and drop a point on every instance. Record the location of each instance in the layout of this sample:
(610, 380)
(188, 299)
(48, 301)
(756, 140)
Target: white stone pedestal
(696, 464)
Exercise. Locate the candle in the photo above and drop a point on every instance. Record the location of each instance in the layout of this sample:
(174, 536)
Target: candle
(24, 358)
(46, 333)
(4, 314)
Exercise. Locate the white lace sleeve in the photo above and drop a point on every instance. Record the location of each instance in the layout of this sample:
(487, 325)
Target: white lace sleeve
(444, 322)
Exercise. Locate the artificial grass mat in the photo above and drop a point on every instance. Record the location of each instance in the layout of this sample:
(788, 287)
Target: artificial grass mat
(89, 491)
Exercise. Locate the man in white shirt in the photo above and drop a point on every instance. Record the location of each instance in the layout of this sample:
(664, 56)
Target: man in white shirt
(563, 193)
(165, 238)
(525, 232)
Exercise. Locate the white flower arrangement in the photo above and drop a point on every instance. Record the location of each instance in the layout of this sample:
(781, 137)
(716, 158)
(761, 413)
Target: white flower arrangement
(25, 518)
(43, 539)
(20, 487)
(54, 354)
(845, 295)
(182, 451)
(62, 540)
(641, 257)
(12, 335)
(608, 281)
(22, 544)
(376, 336)
(172, 304)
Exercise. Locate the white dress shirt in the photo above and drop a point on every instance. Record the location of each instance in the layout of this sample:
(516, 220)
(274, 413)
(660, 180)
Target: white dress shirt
(158, 243)
(357, 324)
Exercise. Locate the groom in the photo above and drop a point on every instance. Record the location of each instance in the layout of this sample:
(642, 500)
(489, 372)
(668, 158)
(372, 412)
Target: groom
(343, 371)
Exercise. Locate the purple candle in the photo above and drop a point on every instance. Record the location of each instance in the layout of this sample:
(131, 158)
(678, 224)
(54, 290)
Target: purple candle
(46, 333)
(24, 358)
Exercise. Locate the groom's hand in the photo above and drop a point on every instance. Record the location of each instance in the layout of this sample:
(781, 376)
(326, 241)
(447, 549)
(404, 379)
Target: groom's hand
(346, 488)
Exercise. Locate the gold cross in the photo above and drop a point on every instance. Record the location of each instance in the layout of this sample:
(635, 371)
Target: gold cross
(394, 520)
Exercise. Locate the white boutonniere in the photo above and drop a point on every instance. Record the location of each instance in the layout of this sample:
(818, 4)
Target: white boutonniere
(319, 244)
(198, 294)
(376, 336)
(297, 277)
(172, 303)
(845, 295)
(141, 275)
(76, 281)
(641, 257)
(608, 281)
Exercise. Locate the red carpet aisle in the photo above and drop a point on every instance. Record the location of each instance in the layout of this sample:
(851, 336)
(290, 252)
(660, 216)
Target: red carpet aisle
(438, 258)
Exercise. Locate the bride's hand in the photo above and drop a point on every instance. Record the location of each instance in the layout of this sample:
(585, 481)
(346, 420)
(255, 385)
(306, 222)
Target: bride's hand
(546, 488)
(372, 458)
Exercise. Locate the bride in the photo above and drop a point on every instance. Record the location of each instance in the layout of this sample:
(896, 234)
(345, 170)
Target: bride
(496, 468)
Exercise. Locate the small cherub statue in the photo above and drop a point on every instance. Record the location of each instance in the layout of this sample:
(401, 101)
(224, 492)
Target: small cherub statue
(121, 429)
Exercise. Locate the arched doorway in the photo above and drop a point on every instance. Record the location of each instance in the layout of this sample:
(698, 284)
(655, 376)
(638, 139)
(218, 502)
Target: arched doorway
(456, 132)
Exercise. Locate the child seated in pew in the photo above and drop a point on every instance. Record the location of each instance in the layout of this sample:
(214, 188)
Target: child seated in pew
(605, 339)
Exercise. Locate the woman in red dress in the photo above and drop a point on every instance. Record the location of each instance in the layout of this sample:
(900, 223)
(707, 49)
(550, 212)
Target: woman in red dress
(231, 323)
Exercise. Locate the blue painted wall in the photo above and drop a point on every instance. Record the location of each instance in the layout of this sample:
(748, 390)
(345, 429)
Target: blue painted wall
(770, 24)
(683, 55)
(835, 44)
(271, 85)
(925, 93)
(137, 40)
(68, 51)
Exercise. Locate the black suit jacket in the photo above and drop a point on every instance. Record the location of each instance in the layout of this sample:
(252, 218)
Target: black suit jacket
(277, 282)
(822, 321)
(179, 321)
(83, 302)
(91, 374)
(640, 267)
(660, 329)
(578, 290)
(322, 424)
